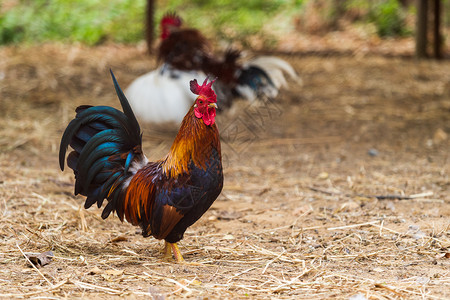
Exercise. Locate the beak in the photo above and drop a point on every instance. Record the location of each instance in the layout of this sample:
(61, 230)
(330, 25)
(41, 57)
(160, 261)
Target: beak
(213, 105)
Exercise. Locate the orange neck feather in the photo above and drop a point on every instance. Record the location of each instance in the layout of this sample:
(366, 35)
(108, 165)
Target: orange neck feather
(194, 142)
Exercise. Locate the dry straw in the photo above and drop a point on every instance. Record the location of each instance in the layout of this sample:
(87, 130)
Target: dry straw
(297, 219)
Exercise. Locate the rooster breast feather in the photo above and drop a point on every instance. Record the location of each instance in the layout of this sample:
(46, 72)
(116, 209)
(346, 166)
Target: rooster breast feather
(174, 203)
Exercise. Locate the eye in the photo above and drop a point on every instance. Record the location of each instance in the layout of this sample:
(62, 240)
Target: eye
(201, 102)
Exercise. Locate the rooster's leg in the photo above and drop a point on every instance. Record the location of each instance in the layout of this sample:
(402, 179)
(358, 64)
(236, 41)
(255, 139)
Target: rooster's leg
(173, 247)
(167, 250)
(177, 253)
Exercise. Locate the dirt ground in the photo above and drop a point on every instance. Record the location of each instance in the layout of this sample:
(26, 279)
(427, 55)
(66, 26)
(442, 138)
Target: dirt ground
(337, 190)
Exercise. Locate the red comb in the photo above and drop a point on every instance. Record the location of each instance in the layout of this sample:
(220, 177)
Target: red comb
(171, 18)
(204, 89)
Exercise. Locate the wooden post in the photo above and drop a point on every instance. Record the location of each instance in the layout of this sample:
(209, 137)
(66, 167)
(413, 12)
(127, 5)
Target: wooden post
(149, 26)
(421, 28)
(437, 41)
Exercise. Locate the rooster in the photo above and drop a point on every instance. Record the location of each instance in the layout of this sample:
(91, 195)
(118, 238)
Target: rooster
(162, 95)
(164, 197)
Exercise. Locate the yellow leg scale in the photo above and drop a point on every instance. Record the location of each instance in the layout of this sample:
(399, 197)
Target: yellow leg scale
(173, 247)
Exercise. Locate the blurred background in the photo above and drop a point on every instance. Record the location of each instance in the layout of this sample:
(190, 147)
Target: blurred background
(386, 26)
(341, 185)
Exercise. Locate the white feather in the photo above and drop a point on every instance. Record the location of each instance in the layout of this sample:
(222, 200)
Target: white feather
(135, 166)
(246, 92)
(275, 68)
(162, 95)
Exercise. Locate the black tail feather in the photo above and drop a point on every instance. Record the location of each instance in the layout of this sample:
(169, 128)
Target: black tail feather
(102, 139)
(256, 78)
(127, 110)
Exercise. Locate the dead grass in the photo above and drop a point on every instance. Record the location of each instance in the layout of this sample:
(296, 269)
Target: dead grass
(298, 217)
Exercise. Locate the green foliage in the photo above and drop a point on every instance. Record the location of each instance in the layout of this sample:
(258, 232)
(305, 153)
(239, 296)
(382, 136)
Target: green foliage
(446, 11)
(231, 20)
(95, 21)
(86, 21)
(388, 18)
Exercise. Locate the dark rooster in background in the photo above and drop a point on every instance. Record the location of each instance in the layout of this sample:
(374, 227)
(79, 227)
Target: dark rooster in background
(161, 95)
(164, 197)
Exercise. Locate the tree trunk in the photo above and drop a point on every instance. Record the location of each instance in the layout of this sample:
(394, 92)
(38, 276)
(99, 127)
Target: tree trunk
(437, 41)
(149, 24)
(421, 29)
